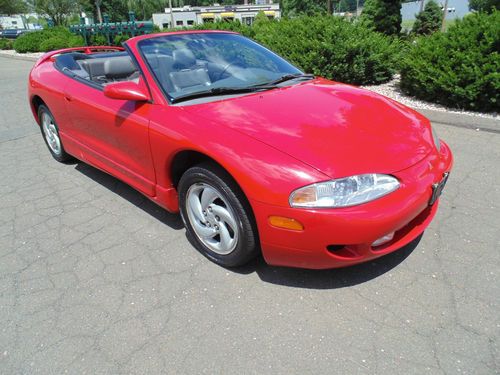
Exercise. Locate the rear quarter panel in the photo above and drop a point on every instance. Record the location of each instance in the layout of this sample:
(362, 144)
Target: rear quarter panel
(48, 83)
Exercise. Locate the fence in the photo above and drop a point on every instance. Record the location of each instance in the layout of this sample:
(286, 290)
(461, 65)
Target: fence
(110, 30)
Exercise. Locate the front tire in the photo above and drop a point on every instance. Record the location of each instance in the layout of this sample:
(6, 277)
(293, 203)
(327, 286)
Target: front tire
(217, 216)
(50, 133)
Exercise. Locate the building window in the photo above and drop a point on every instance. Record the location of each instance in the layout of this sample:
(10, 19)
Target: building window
(179, 23)
(208, 20)
(190, 22)
(247, 20)
(164, 25)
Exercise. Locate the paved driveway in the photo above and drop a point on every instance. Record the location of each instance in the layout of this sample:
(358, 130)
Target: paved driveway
(97, 279)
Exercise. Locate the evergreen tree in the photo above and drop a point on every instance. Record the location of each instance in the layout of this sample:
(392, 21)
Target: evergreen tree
(429, 20)
(309, 7)
(383, 16)
(484, 5)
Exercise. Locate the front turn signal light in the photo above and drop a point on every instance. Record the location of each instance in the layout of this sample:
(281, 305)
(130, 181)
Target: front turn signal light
(285, 223)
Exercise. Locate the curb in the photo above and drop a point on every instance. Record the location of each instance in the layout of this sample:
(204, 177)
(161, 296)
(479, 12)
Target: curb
(462, 120)
(18, 57)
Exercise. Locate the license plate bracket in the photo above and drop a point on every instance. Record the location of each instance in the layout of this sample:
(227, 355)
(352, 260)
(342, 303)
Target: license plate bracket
(437, 188)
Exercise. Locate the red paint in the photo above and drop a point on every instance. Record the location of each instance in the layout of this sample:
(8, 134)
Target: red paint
(272, 143)
(127, 91)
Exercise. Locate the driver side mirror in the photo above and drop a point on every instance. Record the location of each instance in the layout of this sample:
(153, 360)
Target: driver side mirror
(126, 90)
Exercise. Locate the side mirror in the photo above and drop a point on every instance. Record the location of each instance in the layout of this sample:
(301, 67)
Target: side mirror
(126, 90)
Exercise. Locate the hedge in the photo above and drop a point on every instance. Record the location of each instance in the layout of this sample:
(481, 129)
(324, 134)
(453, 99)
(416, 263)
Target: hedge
(459, 68)
(46, 40)
(5, 43)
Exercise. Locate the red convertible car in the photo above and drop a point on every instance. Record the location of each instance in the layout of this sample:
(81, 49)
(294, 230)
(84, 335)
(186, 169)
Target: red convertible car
(257, 156)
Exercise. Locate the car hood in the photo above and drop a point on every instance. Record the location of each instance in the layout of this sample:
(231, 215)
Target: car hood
(338, 129)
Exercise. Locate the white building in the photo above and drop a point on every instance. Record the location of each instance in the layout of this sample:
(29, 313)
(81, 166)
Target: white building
(189, 16)
(12, 22)
(18, 21)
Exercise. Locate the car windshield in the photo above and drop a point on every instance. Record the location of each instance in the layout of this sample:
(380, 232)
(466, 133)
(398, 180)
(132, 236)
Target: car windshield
(199, 64)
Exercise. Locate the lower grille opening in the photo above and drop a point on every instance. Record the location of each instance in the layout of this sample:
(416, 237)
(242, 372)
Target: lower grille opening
(342, 251)
(335, 248)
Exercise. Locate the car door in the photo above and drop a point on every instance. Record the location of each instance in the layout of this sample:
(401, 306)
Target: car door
(112, 134)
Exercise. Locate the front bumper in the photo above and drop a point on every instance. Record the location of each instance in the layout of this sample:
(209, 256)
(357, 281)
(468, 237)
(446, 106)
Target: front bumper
(349, 232)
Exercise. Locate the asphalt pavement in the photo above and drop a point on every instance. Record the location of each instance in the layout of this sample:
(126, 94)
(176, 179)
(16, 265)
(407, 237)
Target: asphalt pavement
(96, 279)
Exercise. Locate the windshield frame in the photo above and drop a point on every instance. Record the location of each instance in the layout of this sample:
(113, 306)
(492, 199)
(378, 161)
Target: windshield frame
(171, 99)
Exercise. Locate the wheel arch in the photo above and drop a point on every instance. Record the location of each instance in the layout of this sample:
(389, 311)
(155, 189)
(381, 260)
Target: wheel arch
(35, 102)
(187, 158)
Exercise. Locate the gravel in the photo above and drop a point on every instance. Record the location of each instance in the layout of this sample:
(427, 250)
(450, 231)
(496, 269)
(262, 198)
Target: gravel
(392, 90)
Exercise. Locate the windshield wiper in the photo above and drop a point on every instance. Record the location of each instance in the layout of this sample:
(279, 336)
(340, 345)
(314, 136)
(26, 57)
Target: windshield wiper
(221, 91)
(287, 77)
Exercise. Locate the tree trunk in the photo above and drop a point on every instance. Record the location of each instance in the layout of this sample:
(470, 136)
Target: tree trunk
(445, 11)
(98, 8)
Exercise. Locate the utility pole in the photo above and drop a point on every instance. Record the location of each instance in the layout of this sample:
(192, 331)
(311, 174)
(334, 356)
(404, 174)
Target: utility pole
(329, 7)
(422, 6)
(357, 8)
(171, 14)
(445, 10)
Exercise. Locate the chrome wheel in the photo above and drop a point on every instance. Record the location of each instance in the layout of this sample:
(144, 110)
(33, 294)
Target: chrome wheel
(212, 218)
(51, 134)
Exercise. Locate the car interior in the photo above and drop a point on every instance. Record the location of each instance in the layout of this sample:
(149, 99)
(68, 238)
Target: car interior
(99, 68)
(177, 71)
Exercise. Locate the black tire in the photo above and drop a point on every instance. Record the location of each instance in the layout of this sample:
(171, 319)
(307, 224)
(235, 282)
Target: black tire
(247, 245)
(61, 156)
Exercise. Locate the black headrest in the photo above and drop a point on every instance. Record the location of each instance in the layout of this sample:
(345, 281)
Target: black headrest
(183, 58)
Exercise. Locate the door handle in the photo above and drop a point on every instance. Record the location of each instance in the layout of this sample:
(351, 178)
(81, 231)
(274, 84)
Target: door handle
(68, 97)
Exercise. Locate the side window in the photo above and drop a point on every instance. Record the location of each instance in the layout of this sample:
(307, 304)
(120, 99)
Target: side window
(96, 69)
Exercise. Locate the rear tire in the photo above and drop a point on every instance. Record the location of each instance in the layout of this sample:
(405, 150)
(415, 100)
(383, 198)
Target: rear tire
(217, 216)
(50, 133)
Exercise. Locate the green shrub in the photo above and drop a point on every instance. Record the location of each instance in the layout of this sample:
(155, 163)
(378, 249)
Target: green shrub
(6, 43)
(383, 16)
(119, 39)
(99, 40)
(58, 42)
(484, 5)
(429, 20)
(32, 41)
(235, 26)
(29, 42)
(459, 68)
(331, 47)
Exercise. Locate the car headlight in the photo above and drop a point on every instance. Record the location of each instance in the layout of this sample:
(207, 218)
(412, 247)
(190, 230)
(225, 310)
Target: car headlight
(344, 192)
(435, 137)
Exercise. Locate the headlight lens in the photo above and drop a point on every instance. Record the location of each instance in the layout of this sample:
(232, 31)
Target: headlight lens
(437, 143)
(344, 192)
